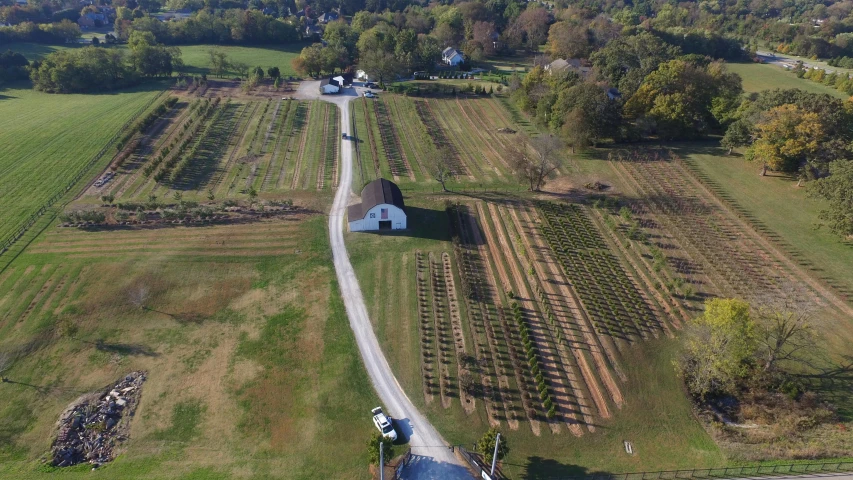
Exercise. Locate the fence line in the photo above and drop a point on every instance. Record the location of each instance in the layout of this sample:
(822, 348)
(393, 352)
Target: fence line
(10, 239)
(725, 472)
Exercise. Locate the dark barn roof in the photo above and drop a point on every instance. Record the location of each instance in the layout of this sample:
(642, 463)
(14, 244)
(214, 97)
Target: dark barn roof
(375, 193)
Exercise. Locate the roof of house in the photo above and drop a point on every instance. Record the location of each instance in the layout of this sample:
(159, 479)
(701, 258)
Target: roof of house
(376, 193)
(449, 52)
(325, 82)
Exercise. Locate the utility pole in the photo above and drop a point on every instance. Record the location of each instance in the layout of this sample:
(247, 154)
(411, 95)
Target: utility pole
(495, 455)
(382, 460)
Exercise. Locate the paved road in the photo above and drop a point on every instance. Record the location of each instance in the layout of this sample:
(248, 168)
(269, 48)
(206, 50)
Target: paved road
(785, 61)
(432, 460)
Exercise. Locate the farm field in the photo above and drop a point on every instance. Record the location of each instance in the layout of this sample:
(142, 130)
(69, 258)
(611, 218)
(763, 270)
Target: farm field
(758, 77)
(252, 369)
(209, 148)
(46, 142)
(470, 307)
(549, 316)
(399, 137)
(777, 203)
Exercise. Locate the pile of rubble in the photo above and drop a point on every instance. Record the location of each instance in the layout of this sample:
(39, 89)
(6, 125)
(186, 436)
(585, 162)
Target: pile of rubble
(91, 428)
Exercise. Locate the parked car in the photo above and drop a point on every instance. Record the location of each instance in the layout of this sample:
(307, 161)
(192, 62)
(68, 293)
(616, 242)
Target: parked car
(370, 85)
(344, 135)
(383, 423)
(369, 95)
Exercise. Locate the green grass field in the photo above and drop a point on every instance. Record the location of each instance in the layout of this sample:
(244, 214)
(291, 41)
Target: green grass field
(252, 369)
(196, 57)
(757, 77)
(47, 139)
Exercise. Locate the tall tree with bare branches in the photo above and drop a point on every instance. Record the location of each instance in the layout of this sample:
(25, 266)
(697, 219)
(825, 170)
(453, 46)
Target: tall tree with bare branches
(535, 160)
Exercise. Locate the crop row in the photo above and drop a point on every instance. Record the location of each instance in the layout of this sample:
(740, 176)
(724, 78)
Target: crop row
(727, 256)
(499, 352)
(185, 160)
(427, 328)
(608, 295)
(196, 114)
(143, 123)
(328, 170)
(438, 136)
(390, 141)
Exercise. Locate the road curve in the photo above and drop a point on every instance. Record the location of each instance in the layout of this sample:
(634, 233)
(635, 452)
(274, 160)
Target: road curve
(433, 459)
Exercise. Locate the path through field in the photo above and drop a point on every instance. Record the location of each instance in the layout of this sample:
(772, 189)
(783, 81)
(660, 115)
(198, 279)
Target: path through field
(432, 458)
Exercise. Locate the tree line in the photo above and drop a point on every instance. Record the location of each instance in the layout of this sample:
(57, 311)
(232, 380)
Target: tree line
(96, 69)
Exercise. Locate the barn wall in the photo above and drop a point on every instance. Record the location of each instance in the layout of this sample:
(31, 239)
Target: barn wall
(395, 215)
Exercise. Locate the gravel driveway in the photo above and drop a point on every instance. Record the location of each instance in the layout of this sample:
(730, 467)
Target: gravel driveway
(432, 459)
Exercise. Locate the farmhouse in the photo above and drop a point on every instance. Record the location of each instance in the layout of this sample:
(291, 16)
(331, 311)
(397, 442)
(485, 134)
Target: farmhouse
(381, 208)
(452, 57)
(327, 86)
(573, 64)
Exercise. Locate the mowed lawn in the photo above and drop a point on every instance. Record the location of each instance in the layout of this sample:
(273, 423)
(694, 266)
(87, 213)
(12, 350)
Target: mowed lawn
(778, 203)
(758, 77)
(197, 57)
(253, 371)
(46, 139)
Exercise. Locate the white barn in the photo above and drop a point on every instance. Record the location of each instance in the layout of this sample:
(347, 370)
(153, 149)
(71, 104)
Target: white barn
(381, 208)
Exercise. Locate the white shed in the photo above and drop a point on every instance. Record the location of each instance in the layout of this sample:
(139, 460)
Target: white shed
(327, 87)
(381, 208)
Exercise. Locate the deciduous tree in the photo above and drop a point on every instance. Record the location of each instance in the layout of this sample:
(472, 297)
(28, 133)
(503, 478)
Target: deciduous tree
(486, 445)
(718, 348)
(535, 160)
(837, 189)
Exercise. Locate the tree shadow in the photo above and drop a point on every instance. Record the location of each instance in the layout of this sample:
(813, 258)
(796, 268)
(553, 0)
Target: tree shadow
(538, 468)
(833, 381)
(125, 348)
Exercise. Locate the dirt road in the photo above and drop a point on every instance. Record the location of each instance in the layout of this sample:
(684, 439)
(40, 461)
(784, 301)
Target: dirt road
(432, 458)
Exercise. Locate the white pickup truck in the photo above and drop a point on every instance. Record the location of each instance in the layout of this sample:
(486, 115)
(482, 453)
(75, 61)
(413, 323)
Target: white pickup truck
(383, 423)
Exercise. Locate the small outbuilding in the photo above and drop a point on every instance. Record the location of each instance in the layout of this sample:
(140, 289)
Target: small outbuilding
(328, 87)
(381, 208)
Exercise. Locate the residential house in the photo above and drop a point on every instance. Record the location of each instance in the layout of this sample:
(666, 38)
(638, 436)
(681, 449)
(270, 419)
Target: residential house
(328, 17)
(92, 20)
(573, 64)
(313, 30)
(452, 57)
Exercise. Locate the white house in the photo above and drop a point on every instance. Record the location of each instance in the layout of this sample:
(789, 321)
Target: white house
(381, 208)
(362, 75)
(328, 87)
(452, 57)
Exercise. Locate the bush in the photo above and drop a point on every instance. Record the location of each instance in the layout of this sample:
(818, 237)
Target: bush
(373, 449)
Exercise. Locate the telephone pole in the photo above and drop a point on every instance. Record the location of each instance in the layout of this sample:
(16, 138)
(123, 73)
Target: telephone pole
(382, 460)
(495, 455)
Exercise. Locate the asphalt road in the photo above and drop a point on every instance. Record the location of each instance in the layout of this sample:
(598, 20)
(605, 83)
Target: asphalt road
(432, 458)
(785, 61)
